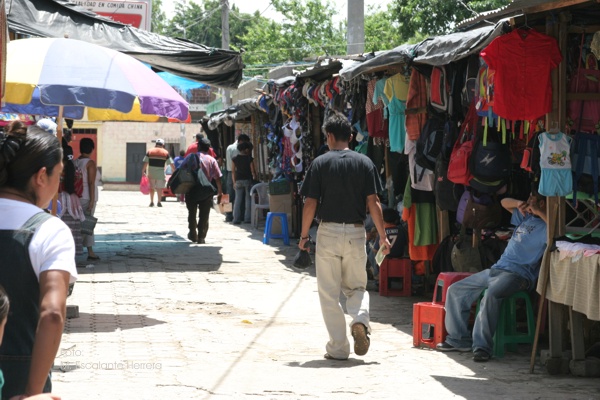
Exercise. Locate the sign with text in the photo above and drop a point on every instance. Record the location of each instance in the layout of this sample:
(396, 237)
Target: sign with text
(135, 13)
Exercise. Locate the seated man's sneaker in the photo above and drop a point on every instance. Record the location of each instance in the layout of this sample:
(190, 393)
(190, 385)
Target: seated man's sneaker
(480, 356)
(447, 347)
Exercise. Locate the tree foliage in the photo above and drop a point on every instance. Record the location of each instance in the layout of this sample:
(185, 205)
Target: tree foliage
(421, 18)
(307, 29)
(201, 23)
(381, 33)
(159, 19)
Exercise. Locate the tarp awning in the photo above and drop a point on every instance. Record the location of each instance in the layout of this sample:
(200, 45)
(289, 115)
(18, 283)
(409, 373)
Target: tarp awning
(399, 55)
(55, 18)
(442, 50)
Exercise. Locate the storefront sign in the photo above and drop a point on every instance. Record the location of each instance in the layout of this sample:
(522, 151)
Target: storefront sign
(134, 13)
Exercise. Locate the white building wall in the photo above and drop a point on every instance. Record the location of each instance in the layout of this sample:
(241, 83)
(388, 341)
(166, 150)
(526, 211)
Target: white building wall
(113, 138)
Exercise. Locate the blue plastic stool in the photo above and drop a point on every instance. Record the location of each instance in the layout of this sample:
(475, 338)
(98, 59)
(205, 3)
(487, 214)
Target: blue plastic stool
(284, 228)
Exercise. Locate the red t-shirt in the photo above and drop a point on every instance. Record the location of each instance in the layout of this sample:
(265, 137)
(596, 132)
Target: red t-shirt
(193, 148)
(522, 60)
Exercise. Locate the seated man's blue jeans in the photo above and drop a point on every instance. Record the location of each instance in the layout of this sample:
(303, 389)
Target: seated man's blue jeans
(461, 295)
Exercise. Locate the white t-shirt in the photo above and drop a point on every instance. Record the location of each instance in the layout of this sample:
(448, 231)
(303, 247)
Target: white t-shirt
(52, 246)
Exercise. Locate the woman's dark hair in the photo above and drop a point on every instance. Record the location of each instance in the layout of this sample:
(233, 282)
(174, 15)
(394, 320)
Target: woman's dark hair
(244, 146)
(86, 146)
(16, 128)
(337, 124)
(204, 145)
(23, 156)
(68, 170)
(4, 304)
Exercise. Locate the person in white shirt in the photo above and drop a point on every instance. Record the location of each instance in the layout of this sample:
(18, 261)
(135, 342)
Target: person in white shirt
(37, 261)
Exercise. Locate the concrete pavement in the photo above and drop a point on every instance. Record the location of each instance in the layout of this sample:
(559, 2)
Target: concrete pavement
(162, 318)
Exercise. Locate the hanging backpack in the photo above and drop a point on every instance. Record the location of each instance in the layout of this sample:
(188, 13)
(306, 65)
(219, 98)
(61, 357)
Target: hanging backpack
(429, 144)
(447, 193)
(490, 163)
(459, 165)
(470, 84)
(439, 90)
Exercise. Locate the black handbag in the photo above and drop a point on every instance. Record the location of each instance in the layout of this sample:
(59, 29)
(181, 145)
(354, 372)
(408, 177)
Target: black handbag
(182, 181)
(205, 188)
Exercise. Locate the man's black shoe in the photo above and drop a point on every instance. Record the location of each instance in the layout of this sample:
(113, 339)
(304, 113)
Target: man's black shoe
(480, 356)
(448, 347)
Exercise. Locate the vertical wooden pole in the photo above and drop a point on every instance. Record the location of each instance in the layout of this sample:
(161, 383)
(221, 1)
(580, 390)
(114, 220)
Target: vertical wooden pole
(59, 135)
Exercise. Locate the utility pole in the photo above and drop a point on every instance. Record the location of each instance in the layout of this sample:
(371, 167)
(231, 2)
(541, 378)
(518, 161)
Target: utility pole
(225, 43)
(356, 27)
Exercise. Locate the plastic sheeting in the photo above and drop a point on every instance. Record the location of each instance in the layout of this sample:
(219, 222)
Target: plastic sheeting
(54, 18)
(439, 50)
(399, 55)
(442, 50)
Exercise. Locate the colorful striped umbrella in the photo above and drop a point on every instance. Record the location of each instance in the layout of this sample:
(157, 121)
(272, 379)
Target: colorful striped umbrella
(73, 73)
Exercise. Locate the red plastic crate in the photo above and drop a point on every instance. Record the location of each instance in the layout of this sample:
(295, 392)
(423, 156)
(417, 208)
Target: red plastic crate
(395, 277)
(428, 324)
(443, 282)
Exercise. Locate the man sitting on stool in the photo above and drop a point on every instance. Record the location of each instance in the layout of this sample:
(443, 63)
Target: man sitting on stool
(517, 269)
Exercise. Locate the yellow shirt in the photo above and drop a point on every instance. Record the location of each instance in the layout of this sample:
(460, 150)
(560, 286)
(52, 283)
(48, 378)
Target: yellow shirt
(397, 85)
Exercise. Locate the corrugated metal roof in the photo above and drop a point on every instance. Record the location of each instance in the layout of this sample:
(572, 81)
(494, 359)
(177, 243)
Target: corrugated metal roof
(517, 7)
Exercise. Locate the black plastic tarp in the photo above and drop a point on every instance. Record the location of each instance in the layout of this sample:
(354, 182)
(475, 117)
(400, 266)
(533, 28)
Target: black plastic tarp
(399, 55)
(442, 50)
(54, 18)
(438, 50)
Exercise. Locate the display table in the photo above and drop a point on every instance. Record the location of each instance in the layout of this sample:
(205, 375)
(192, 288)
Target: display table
(575, 285)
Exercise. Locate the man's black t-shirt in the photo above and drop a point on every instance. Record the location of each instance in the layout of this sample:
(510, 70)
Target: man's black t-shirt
(341, 181)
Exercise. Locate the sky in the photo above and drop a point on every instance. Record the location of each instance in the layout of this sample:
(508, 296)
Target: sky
(263, 6)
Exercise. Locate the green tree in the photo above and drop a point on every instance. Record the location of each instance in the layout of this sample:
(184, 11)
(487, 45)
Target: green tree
(381, 33)
(421, 18)
(201, 23)
(159, 19)
(306, 30)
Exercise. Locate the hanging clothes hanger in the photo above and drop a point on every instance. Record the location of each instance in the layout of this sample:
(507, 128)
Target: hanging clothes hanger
(553, 127)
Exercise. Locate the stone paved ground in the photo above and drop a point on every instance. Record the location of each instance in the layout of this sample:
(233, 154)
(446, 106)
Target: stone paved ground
(162, 318)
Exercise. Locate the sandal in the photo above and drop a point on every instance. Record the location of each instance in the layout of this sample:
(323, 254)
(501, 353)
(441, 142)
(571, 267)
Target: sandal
(92, 258)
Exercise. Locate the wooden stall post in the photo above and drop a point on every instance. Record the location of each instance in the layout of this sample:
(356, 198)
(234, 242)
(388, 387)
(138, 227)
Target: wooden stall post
(553, 204)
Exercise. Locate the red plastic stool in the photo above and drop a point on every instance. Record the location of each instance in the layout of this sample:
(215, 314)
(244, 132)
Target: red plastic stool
(428, 324)
(393, 272)
(443, 282)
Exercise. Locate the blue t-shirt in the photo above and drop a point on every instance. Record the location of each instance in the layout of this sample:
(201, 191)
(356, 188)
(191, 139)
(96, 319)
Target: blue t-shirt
(177, 161)
(525, 248)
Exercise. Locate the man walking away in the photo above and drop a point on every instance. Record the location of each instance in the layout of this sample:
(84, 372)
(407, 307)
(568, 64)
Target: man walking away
(343, 183)
(154, 166)
(195, 203)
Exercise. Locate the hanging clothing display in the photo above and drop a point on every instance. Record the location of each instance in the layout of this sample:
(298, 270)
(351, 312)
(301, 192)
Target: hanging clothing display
(396, 91)
(416, 105)
(420, 216)
(522, 60)
(555, 163)
(376, 125)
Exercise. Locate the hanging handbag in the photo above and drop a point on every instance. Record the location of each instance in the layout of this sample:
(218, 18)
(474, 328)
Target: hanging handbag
(88, 225)
(458, 166)
(483, 213)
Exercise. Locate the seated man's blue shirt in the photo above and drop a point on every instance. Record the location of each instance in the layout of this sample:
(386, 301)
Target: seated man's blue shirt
(526, 247)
